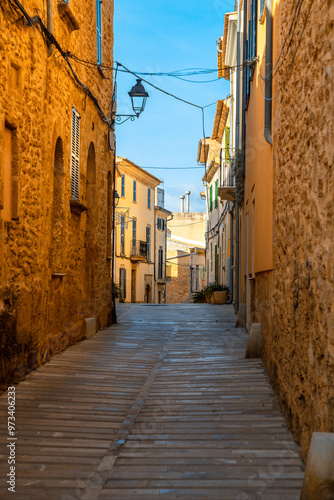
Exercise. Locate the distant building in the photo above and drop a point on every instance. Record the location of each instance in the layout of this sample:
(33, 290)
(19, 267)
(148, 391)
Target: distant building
(185, 254)
(214, 152)
(141, 228)
(55, 178)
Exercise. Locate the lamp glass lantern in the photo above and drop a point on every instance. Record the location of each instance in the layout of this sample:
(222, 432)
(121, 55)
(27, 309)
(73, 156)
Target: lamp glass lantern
(138, 96)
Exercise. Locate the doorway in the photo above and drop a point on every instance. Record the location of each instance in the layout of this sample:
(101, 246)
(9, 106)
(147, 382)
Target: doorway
(133, 285)
(148, 294)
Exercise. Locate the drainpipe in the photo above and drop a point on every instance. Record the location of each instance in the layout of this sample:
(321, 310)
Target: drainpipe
(50, 23)
(268, 68)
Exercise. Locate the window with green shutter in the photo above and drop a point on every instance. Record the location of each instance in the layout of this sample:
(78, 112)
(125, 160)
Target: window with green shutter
(216, 193)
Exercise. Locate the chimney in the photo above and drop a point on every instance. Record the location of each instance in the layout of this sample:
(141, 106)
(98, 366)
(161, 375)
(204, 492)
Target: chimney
(182, 203)
(187, 194)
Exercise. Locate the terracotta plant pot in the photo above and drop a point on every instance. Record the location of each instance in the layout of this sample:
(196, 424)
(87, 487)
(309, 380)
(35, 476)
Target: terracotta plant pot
(219, 297)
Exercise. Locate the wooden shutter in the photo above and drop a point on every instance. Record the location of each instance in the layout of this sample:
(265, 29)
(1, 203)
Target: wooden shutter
(75, 155)
(134, 191)
(99, 31)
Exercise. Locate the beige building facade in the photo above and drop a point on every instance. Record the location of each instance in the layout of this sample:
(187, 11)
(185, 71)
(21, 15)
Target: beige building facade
(140, 242)
(55, 178)
(185, 255)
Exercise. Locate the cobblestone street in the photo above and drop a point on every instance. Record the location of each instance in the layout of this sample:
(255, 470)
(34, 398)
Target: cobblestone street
(164, 404)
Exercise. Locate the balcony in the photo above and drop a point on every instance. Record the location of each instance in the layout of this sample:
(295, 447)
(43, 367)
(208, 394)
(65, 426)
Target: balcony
(227, 190)
(138, 251)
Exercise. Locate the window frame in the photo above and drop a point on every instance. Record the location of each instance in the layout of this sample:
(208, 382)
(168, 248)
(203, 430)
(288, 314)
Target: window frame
(149, 198)
(98, 4)
(123, 186)
(148, 242)
(134, 191)
(75, 155)
(122, 239)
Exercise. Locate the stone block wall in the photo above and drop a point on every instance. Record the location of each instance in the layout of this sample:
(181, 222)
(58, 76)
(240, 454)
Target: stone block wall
(300, 352)
(54, 261)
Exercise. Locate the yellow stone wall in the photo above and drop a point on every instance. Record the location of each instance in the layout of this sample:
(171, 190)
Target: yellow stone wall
(300, 353)
(41, 313)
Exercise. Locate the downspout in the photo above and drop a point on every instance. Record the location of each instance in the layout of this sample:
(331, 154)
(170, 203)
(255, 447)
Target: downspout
(268, 79)
(50, 23)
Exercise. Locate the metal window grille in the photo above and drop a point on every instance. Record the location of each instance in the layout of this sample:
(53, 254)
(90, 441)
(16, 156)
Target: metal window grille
(122, 233)
(99, 31)
(149, 198)
(134, 232)
(148, 242)
(160, 262)
(75, 155)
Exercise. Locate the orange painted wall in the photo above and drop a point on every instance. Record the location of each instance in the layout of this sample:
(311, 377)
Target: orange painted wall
(259, 177)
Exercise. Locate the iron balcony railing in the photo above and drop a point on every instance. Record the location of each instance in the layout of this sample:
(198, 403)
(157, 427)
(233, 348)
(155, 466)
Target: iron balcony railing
(228, 179)
(138, 250)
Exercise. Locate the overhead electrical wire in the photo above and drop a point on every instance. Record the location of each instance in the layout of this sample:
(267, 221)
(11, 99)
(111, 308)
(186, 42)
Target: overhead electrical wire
(293, 58)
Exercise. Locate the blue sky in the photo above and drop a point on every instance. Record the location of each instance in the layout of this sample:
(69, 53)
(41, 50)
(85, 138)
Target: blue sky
(163, 36)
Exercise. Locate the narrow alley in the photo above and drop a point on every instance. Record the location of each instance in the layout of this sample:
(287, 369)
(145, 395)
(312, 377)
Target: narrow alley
(162, 404)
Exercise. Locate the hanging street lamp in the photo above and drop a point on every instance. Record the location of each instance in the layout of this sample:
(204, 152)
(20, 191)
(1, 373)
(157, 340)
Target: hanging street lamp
(138, 96)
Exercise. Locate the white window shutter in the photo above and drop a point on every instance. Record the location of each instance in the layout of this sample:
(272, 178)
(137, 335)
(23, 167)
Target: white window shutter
(75, 155)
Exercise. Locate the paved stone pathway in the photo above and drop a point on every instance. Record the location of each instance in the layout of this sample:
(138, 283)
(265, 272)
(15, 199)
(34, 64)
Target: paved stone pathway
(164, 404)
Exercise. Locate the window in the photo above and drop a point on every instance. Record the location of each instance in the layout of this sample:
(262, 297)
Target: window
(211, 257)
(123, 186)
(122, 282)
(210, 199)
(197, 278)
(203, 276)
(149, 198)
(122, 233)
(160, 262)
(134, 191)
(148, 242)
(134, 233)
(251, 47)
(216, 194)
(75, 155)
(99, 31)
(10, 181)
(161, 224)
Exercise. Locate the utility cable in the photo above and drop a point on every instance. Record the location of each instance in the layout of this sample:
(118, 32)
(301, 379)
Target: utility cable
(291, 29)
(49, 37)
(293, 58)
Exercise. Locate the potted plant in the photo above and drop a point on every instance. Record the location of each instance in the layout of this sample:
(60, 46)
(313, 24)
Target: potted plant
(217, 294)
(117, 292)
